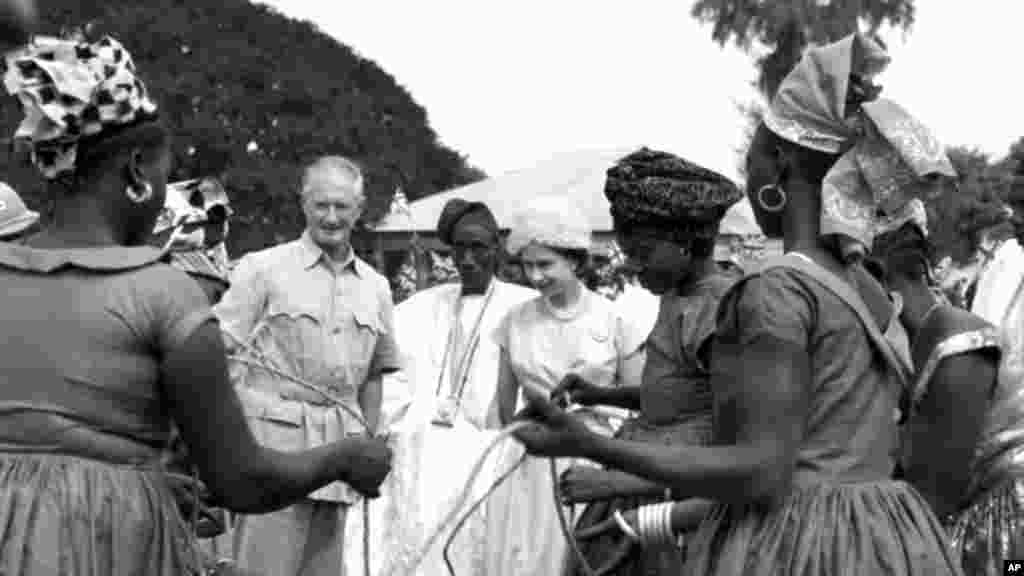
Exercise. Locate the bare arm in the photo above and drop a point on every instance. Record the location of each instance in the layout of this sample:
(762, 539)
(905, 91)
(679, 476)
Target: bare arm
(241, 474)
(627, 394)
(688, 514)
(628, 485)
(386, 360)
(763, 386)
(945, 429)
(508, 389)
(370, 399)
(626, 397)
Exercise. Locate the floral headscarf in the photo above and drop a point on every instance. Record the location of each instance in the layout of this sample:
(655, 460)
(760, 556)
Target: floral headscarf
(181, 227)
(888, 157)
(70, 91)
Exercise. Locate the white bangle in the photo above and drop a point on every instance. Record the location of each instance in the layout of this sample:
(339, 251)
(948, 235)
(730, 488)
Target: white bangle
(666, 521)
(625, 527)
(643, 525)
(650, 522)
(655, 523)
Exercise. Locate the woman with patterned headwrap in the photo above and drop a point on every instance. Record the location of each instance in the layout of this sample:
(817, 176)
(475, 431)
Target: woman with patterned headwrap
(666, 213)
(566, 328)
(193, 228)
(805, 383)
(963, 443)
(104, 346)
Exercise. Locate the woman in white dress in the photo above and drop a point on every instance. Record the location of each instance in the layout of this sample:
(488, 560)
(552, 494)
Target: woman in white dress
(567, 328)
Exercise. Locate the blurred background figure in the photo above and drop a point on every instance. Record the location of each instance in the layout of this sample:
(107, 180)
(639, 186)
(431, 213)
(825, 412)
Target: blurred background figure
(16, 220)
(193, 227)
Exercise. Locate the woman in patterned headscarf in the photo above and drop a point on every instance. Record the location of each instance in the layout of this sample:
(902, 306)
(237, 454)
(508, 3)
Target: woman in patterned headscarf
(963, 440)
(805, 384)
(193, 228)
(104, 345)
(666, 212)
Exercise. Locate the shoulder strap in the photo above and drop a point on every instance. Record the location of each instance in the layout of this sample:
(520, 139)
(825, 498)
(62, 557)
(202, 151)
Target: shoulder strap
(851, 298)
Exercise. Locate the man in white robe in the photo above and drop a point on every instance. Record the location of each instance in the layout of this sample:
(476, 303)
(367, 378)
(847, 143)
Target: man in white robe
(452, 368)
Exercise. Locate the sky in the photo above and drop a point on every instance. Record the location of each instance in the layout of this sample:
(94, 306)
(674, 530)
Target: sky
(509, 84)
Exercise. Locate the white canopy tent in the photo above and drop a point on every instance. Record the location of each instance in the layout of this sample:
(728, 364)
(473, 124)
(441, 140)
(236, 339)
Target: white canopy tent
(580, 175)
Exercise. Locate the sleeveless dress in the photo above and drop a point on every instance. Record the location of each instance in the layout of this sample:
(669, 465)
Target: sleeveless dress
(844, 515)
(990, 527)
(676, 408)
(83, 421)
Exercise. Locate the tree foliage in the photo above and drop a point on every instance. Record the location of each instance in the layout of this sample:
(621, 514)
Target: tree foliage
(786, 27)
(251, 95)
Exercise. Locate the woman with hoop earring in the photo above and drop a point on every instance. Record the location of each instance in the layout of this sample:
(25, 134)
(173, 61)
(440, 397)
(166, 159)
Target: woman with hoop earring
(806, 386)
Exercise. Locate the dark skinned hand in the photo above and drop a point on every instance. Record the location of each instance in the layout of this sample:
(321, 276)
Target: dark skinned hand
(573, 389)
(551, 431)
(582, 484)
(371, 464)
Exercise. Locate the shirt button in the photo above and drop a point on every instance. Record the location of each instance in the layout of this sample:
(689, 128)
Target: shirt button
(336, 330)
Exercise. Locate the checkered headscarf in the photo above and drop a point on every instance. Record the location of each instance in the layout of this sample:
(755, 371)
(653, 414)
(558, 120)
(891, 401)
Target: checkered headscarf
(70, 91)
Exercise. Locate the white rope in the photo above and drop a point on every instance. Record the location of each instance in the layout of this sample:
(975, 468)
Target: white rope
(454, 519)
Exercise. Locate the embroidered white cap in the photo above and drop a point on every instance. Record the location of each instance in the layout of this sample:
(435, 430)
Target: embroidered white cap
(553, 222)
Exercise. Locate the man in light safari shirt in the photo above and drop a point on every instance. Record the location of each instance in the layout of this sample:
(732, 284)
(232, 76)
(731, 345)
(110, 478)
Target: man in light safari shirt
(321, 314)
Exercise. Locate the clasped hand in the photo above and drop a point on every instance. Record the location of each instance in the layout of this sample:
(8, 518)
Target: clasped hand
(370, 464)
(551, 431)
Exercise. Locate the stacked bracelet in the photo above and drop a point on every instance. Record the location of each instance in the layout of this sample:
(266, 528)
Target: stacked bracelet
(654, 523)
(625, 527)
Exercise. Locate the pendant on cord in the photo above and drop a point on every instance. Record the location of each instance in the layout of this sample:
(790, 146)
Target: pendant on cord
(445, 413)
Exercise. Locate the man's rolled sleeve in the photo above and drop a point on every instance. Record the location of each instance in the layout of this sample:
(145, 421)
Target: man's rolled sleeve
(387, 357)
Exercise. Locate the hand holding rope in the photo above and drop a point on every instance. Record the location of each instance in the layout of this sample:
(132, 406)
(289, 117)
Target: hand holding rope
(254, 358)
(457, 521)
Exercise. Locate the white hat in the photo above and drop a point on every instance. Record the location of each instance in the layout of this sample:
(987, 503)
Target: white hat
(15, 217)
(551, 222)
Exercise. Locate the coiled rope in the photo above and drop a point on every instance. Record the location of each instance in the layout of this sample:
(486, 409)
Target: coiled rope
(457, 522)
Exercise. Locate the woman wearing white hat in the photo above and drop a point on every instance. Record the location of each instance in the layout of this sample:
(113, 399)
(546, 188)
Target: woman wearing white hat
(16, 220)
(568, 328)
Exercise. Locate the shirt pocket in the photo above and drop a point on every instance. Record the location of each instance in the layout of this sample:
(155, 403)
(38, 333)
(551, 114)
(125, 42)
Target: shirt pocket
(292, 333)
(357, 332)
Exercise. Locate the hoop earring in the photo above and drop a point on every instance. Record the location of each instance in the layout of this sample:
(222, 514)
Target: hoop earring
(770, 205)
(139, 194)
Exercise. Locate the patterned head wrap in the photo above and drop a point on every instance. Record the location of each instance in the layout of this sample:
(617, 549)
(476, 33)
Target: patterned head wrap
(666, 192)
(827, 103)
(551, 222)
(190, 207)
(902, 242)
(71, 91)
(459, 212)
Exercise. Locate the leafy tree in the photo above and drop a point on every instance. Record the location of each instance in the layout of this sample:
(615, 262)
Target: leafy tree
(977, 203)
(786, 27)
(251, 96)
